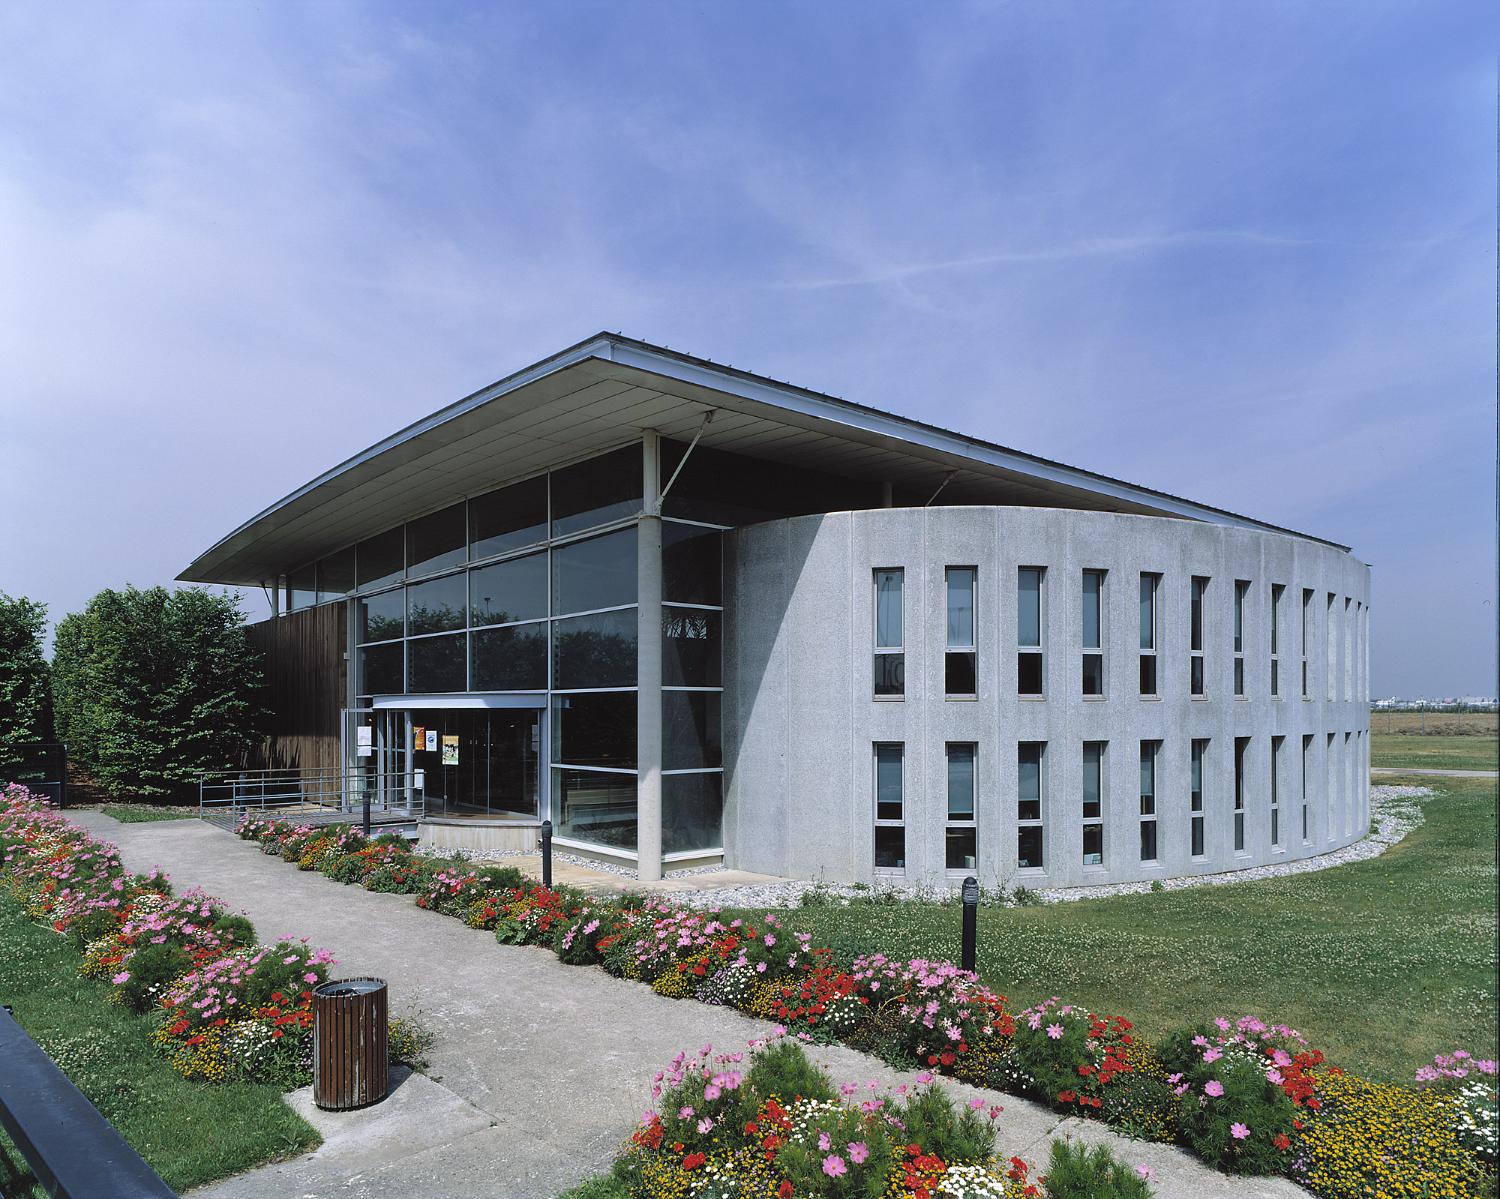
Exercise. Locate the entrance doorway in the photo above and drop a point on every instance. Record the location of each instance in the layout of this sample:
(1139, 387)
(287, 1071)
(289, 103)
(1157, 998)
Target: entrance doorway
(477, 761)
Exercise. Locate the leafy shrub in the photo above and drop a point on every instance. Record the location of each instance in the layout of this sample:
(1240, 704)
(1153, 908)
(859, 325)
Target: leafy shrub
(408, 1041)
(1074, 1171)
(955, 1134)
(784, 1070)
(25, 680)
(1070, 1054)
(152, 970)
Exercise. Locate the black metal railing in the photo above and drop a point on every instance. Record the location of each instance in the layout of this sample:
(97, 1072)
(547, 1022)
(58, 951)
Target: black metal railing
(73, 1151)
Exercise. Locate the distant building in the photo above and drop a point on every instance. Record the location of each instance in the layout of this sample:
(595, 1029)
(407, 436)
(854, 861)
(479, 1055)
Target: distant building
(694, 615)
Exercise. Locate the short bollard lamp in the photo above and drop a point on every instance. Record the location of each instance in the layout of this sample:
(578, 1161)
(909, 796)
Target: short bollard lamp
(971, 920)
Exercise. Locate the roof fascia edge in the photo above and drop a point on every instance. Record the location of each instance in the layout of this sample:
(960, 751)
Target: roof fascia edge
(901, 430)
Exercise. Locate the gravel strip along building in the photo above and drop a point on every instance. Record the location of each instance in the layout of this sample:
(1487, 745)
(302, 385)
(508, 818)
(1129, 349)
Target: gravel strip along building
(693, 615)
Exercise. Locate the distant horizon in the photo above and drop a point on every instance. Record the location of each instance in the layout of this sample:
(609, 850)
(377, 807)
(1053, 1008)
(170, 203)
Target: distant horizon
(1242, 257)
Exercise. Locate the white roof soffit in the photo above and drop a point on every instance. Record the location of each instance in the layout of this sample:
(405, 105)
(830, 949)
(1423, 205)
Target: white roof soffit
(600, 394)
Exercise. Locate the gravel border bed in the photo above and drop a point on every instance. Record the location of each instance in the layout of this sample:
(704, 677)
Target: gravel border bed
(496, 855)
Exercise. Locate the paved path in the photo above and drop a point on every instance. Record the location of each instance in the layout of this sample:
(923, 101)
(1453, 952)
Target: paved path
(540, 1069)
(1447, 774)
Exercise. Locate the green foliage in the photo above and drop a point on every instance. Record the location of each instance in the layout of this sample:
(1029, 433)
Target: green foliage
(958, 1135)
(408, 1042)
(25, 681)
(606, 1186)
(783, 1070)
(1074, 1171)
(155, 687)
(152, 968)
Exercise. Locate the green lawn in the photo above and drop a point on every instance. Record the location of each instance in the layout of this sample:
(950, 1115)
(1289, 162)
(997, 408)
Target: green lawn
(190, 1132)
(1380, 963)
(1433, 753)
(137, 813)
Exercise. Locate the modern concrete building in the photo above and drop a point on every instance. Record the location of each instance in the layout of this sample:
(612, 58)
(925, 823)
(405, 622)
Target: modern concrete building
(691, 614)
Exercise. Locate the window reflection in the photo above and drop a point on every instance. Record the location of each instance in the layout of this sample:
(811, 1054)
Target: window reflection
(692, 812)
(595, 729)
(436, 541)
(690, 643)
(437, 664)
(437, 605)
(595, 651)
(690, 730)
(508, 519)
(594, 492)
(511, 659)
(507, 591)
(595, 807)
(598, 573)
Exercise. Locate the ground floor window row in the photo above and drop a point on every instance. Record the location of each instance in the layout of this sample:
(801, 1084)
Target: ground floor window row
(1037, 807)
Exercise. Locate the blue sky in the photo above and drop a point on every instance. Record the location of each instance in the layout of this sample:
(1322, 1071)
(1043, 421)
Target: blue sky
(1243, 253)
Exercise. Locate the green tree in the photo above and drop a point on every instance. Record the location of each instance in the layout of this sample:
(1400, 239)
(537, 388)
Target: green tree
(155, 687)
(25, 681)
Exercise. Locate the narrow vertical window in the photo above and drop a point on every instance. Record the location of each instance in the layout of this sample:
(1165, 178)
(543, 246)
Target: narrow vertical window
(1347, 784)
(1348, 692)
(890, 661)
(1276, 592)
(1200, 751)
(1029, 823)
(1093, 643)
(1276, 744)
(1149, 752)
(1150, 584)
(1195, 636)
(890, 806)
(1330, 635)
(962, 836)
(1241, 749)
(1307, 743)
(1241, 590)
(1029, 630)
(959, 674)
(1307, 602)
(1093, 803)
(1330, 791)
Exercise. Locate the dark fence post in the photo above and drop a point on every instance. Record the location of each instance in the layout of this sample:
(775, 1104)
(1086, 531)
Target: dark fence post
(971, 920)
(546, 853)
(366, 809)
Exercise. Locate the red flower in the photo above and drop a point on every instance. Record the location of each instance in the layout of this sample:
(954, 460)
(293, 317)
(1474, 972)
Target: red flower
(693, 1160)
(1282, 1141)
(784, 1191)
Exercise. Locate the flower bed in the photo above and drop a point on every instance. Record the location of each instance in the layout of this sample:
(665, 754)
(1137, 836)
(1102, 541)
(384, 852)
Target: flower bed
(224, 1005)
(1244, 1095)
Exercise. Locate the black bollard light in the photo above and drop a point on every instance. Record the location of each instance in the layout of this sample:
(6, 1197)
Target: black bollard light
(971, 920)
(365, 819)
(546, 853)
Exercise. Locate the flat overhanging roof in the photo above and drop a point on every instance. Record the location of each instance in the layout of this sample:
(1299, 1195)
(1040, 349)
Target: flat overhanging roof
(602, 393)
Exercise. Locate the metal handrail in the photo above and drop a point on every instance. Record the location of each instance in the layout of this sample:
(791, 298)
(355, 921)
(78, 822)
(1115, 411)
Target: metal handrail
(73, 1151)
(313, 792)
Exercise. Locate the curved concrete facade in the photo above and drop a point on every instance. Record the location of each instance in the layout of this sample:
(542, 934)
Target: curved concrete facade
(801, 721)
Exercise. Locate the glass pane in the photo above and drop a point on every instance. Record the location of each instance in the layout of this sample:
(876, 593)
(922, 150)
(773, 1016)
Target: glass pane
(962, 849)
(511, 659)
(690, 647)
(1148, 840)
(1093, 755)
(690, 730)
(961, 782)
(594, 492)
(336, 577)
(1148, 674)
(958, 673)
(381, 559)
(888, 609)
(1196, 631)
(1029, 773)
(1197, 848)
(1195, 672)
(690, 564)
(595, 651)
(600, 808)
(960, 606)
(1093, 844)
(436, 541)
(508, 519)
(890, 847)
(1029, 847)
(380, 670)
(595, 730)
(598, 573)
(1093, 674)
(1239, 676)
(1029, 674)
(383, 616)
(507, 591)
(692, 812)
(1239, 832)
(1148, 611)
(890, 674)
(1092, 581)
(1148, 779)
(438, 664)
(301, 588)
(437, 605)
(1029, 606)
(888, 782)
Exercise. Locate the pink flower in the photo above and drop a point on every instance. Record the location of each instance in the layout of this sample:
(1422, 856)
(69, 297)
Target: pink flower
(705, 1125)
(833, 1166)
(824, 1143)
(976, 1104)
(309, 977)
(858, 1151)
(1213, 1088)
(685, 1113)
(1239, 1131)
(1147, 1173)
(121, 978)
(1055, 1031)
(1212, 1055)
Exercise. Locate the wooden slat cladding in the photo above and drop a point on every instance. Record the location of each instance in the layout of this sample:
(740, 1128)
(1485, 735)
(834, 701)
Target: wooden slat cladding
(351, 1048)
(305, 672)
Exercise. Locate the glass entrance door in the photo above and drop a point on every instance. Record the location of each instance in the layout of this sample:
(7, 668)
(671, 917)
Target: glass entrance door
(477, 761)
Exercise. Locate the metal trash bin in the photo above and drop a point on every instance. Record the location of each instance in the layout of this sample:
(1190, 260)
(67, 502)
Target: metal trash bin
(351, 1055)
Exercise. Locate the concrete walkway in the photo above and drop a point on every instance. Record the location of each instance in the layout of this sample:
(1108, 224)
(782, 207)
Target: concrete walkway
(540, 1069)
(1447, 774)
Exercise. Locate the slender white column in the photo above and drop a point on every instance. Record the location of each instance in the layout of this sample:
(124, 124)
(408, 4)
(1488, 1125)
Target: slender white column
(648, 671)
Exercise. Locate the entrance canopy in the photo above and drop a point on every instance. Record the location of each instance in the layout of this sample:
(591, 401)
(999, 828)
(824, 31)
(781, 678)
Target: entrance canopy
(459, 699)
(602, 393)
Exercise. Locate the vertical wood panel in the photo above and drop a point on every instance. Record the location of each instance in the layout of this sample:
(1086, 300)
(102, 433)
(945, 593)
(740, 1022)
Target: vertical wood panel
(305, 673)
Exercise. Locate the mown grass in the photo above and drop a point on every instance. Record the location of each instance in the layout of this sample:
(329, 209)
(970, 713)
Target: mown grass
(139, 813)
(1414, 752)
(190, 1133)
(1380, 963)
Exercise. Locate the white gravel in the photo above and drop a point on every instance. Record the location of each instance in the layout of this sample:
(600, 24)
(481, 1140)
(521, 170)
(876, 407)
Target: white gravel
(622, 871)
